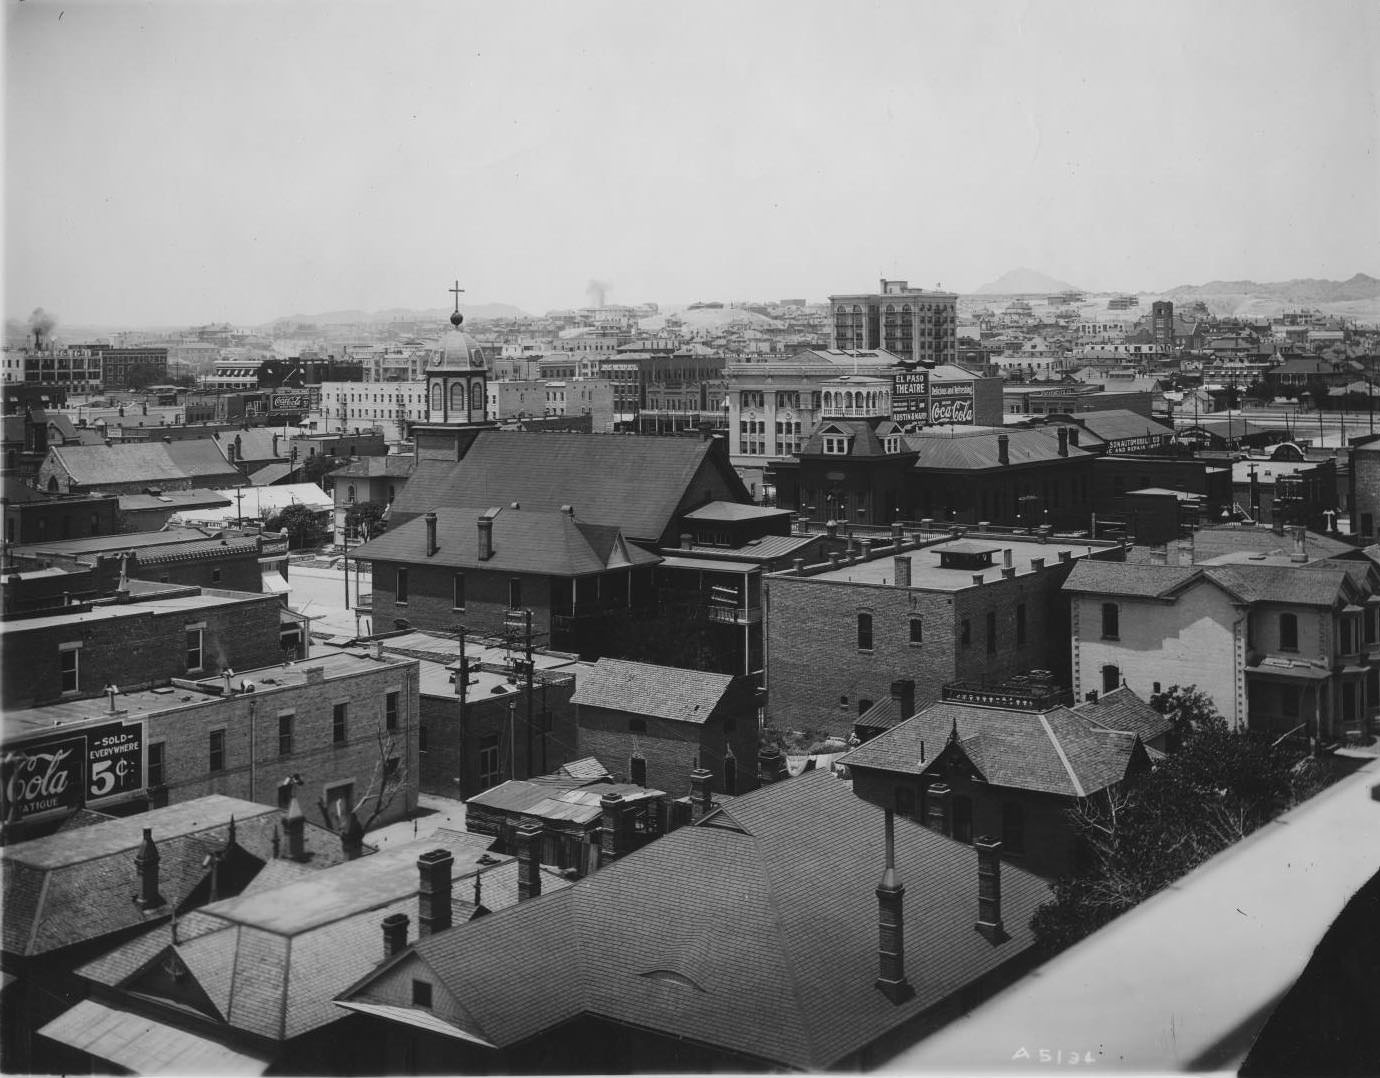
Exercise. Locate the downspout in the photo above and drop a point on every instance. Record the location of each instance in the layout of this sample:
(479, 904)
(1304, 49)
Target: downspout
(253, 722)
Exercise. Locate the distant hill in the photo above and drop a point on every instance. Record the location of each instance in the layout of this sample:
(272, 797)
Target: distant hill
(1310, 290)
(1020, 281)
(476, 311)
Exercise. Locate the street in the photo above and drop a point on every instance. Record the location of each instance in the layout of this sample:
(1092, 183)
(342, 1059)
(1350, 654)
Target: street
(320, 593)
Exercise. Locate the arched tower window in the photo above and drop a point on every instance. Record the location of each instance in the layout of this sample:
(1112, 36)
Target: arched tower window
(457, 396)
(477, 397)
(436, 396)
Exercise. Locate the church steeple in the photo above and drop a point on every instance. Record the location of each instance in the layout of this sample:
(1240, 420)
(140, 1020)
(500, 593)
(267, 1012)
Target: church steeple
(457, 381)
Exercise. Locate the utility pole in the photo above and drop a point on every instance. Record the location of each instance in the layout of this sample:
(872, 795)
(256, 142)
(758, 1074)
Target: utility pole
(345, 531)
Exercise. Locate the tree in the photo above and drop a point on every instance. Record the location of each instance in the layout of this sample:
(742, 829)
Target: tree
(302, 524)
(317, 467)
(366, 519)
(138, 377)
(388, 779)
(1189, 711)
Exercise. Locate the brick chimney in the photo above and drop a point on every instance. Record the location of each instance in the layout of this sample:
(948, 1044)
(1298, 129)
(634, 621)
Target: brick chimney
(902, 567)
(146, 862)
(433, 892)
(529, 860)
(936, 808)
(701, 793)
(989, 889)
(486, 537)
(610, 827)
(903, 692)
(1063, 441)
(1074, 435)
(394, 934)
(1003, 449)
(294, 827)
(1300, 554)
(431, 547)
(891, 942)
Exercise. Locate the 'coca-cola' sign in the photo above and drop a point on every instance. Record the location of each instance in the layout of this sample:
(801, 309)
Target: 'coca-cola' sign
(40, 778)
(958, 410)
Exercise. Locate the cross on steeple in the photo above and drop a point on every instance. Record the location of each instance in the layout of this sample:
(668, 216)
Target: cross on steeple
(457, 290)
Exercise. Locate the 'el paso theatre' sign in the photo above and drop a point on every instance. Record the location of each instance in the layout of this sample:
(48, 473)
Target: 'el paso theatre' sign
(69, 770)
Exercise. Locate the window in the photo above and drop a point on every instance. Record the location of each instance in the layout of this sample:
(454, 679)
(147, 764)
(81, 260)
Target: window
(285, 734)
(965, 633)
(193, 649)
(401, 594)
(1111, 678)
(157, 760)
(340, 799)
(390, 711)
(991, 632)
(1012, 828)
(917, 631)
(864, 632)
(70, 659)
(1288, 632)
(836, 445)
(637, 726)
(1111, 621)
(488, 761)
(458, 587)
(421, 739)
(1020, 625)
(217, 750)
(338, 716)
(515, 593)
(637, 771)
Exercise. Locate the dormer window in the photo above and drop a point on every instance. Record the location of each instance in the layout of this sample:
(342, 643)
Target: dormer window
(836, 445)
(891, 443)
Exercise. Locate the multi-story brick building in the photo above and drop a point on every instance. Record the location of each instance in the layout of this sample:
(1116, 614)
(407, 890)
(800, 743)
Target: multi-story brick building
(977, 608)
(913, 324)
(340, 730)
(33, 516)
(654, 725)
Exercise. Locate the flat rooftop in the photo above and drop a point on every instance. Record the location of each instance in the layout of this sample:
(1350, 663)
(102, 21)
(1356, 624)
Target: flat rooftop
(133, 705)
(97, 544)
(927, 575)
(172, 605)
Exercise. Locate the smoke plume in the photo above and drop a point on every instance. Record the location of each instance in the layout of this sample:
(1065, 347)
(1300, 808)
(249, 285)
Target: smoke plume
(41, 324)
(596, 291)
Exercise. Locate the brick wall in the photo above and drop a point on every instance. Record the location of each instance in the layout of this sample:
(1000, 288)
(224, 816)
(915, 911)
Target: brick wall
(40, 522)
(1365, 492)
(431, 598)
(253, 764)
(817, 679)
(145, 647)
(237, 573)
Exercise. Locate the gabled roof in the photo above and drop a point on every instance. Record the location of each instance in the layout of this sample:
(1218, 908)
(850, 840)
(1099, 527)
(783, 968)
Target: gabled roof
(545, 543)
(1131, 579)
(665, 692)
(272, 473)
(75, 886)
(125, 462)
(635, 483)
(734, 511)
(755, 932)
(975, 449)
(1055, 751)
(1111, 424)
(1121, 709)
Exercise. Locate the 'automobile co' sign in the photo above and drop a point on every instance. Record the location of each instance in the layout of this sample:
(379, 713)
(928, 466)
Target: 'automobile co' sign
(71, 770)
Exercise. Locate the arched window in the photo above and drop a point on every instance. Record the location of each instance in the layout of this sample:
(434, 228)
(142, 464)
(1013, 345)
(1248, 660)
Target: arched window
(457, 396)
(52, 484)
(477, 397)
(864, 632)
(436, 396)
(1111, 678)
(350, 494)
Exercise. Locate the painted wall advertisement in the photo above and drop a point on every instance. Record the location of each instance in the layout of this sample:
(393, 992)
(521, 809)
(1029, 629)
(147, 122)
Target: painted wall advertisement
(66, 771)
(951, 403)
(908, 392)
(286, 401)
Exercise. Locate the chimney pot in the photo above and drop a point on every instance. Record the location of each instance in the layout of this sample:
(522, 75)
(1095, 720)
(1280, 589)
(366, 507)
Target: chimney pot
(394, 934)
(146, 862)
(431, 547)
(901, 566)
(433, 892)
(1036, 564)
(891, 945)
(529, 860)
(486, 538)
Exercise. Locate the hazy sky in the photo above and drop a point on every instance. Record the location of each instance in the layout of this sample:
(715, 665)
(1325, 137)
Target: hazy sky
(178, 162)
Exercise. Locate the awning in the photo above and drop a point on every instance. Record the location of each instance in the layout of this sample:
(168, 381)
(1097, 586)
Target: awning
(1305, 671)
(707, 565)
(145, 1046)
(275, 582)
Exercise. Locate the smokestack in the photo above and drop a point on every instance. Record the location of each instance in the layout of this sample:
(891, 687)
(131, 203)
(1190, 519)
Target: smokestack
(891, 942)
(701, 793)
(146, 862)
(1003, 449)
(989, 889)
(1300, 554)
(902, 568)
(903, 692)
(294, 826)
(1063, 441)
(529, 860)
(486, 537)
(431, 533)
(936, 811)
(433, 892)
(394, 934)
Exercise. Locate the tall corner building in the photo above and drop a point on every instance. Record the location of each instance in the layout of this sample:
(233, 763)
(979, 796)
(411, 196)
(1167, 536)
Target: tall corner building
(914, 324)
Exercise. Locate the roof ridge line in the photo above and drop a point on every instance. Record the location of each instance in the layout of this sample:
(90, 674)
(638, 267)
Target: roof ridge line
(1063, 757)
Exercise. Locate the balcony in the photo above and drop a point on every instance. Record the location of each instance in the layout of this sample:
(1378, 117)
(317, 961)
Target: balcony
(734, 615)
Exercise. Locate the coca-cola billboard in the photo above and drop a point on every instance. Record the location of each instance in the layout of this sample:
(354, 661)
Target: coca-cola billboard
(72, 769)
(951, 403)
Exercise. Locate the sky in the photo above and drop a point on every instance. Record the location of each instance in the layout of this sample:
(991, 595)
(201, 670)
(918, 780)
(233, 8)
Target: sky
(178, 162)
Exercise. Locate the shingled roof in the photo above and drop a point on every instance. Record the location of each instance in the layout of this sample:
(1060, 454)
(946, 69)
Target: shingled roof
(76, 886)
(546, 543)
(1313, 584)
(665, 692)
(638, 484)
(1121, 709)
(1056, 751)
(954, 449)
(755, 932)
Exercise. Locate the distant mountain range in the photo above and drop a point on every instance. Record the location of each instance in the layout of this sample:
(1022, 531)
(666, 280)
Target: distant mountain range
(1310, 290)
(1023, 280)
(438, 315)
